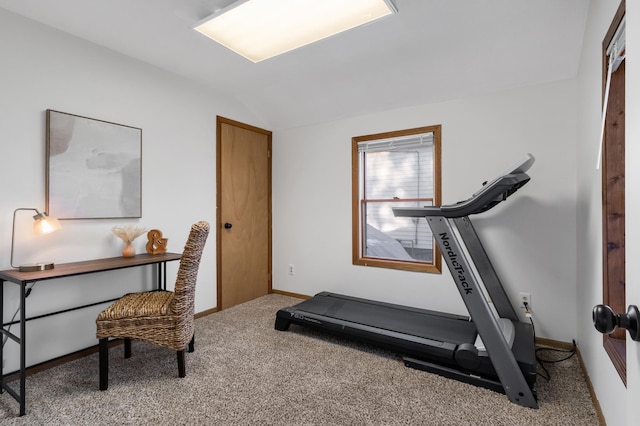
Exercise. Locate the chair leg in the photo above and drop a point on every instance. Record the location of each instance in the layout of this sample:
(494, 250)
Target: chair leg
(127, 348)
(192, 342)
(181, 372)
(104, 363)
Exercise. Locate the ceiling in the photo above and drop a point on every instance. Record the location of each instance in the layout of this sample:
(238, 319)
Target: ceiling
(430, 51)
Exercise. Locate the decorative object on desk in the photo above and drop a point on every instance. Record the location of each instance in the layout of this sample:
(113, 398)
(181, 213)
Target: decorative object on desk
(43, 225)
(128, 233)
(156, 244)
(84, 154)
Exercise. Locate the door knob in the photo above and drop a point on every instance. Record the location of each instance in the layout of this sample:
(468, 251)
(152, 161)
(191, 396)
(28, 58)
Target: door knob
(227, 225)
(605, 320)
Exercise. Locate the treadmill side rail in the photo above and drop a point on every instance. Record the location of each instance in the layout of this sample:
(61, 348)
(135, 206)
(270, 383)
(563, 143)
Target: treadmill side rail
(451, 373)
(513, 381)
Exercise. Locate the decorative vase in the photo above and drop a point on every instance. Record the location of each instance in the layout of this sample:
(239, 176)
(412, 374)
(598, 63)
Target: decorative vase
(128, 250)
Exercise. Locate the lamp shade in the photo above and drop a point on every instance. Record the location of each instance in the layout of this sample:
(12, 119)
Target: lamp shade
(45, 224)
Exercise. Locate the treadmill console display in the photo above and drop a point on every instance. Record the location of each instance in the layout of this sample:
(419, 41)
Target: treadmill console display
(485, 198)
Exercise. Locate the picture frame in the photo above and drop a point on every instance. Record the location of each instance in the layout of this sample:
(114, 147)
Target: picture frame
(93, 168)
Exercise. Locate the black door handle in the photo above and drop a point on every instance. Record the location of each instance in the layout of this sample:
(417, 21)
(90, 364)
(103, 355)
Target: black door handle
(605, 320)
(227, 225)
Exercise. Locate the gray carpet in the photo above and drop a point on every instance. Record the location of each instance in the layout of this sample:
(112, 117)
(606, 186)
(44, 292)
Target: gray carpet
(245, 372)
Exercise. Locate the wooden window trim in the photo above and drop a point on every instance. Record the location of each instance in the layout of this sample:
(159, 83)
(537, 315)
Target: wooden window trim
(613, 211)
(436, 265)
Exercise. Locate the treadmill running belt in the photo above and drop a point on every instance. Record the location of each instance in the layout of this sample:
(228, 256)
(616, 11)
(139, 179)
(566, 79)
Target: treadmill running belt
(385, 316)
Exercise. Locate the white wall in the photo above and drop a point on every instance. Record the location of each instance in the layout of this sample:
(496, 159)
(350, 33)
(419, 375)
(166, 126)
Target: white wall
(531, 238)
(43, 68)
(618, 403)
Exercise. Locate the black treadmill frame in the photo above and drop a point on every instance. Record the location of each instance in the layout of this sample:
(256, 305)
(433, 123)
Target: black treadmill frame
(472, 271)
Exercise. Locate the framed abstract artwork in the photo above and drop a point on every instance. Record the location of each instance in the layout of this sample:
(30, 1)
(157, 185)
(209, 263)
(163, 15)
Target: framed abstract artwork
(93, 168)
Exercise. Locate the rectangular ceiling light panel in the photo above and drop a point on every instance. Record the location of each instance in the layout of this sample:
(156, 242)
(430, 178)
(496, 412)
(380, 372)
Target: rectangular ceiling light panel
(261, 29)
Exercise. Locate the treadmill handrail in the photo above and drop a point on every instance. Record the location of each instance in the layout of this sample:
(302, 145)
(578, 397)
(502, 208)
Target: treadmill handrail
(486, 198)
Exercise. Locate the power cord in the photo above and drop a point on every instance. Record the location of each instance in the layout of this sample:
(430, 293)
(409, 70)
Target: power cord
(571, 352)
(542, 361)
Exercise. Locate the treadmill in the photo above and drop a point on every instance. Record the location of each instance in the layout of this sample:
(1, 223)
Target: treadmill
(492, 348)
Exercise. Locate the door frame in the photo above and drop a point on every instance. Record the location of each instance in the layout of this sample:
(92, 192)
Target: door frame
(219, 225)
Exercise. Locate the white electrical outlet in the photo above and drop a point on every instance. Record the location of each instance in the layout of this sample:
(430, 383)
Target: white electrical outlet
(525, 298)
(292, 269)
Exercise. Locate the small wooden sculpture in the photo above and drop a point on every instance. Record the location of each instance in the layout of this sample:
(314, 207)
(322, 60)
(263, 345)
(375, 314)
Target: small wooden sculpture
(156, 244)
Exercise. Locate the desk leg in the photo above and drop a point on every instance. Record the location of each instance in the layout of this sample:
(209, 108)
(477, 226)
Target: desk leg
(2, 336)
(158, 277)
(162, 276)
(23, 350)
(18, 396)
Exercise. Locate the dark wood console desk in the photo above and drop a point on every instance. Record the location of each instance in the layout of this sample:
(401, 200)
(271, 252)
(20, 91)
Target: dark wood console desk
(62, 270)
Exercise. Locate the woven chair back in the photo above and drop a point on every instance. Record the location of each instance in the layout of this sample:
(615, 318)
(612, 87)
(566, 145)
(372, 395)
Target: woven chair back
(184, 290)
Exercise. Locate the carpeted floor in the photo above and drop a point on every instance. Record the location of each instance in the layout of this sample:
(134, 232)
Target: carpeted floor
(244, 372)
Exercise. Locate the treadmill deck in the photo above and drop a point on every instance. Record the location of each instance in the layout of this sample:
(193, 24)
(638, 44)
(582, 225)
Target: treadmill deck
(420, 334)
(409, 331)
(385, 316)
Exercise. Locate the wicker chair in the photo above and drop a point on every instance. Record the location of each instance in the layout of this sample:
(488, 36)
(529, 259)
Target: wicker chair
(164, 318)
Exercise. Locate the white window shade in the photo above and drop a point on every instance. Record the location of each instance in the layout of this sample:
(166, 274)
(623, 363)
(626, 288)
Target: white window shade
(616, 53)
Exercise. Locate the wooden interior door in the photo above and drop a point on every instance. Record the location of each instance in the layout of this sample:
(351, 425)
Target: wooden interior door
(244, 212)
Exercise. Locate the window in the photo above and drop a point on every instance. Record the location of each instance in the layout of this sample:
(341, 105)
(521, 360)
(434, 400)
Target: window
(395, 169)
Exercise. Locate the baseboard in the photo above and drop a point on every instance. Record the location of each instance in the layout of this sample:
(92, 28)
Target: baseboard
(554, 343)
(592, 392)
(280, 292)
(287, 293)
(206, 312)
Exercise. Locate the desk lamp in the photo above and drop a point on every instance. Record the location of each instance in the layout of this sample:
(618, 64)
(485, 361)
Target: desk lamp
(43, 225)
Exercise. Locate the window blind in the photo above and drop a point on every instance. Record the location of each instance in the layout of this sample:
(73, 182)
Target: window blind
(397, 144)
